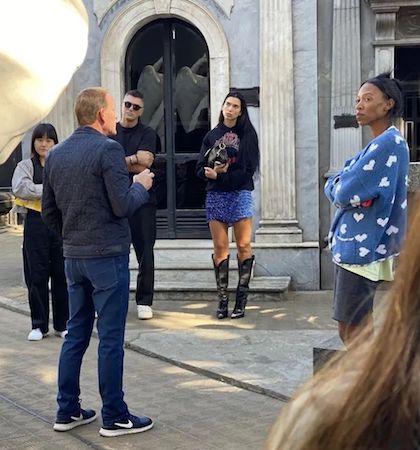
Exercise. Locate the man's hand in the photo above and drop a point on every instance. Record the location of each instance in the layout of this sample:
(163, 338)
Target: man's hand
(145, 158)
(141, 160)
(145, 178)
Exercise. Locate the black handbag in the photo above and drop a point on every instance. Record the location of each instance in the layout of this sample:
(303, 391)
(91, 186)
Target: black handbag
(216, 155)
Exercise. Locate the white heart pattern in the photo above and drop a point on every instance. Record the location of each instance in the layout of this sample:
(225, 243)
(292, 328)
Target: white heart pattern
(370, 165)
(373, 147)
(358, 217)
(393, 200)
(355, 201)
(337, 187)
(381, 249)
(384, 182)
(363, 251)
(404, 204)
(391, 160)
(352, 162)
(392, 230)
(361, 237)
(343, 228)
(382, 222)
(337, 257)
(398, 139)
(406, 180)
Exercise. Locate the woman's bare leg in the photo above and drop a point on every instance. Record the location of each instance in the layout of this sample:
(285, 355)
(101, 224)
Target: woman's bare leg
(243, 233)
(219, 234)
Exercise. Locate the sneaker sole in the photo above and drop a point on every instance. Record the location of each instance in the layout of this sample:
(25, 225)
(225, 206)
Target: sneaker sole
(76, 423)
(122, 431)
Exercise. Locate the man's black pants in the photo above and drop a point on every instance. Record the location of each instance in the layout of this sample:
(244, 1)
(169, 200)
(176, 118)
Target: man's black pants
(143, 237)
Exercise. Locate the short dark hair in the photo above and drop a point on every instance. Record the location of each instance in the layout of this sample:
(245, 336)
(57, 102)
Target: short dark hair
(41, 130)
(391, 88)
(135, 93)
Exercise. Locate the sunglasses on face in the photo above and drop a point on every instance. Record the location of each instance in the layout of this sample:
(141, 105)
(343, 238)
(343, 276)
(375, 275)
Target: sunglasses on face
(128, 105)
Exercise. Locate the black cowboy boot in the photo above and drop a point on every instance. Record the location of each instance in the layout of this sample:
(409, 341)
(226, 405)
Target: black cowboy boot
(245, 269)
(222, 278)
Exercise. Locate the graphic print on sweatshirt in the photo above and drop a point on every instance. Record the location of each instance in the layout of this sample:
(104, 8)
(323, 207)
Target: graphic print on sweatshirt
(231, 141)
(370, 195)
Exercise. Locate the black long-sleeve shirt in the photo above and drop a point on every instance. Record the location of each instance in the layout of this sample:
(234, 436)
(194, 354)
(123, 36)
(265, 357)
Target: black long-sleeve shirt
(242, 163)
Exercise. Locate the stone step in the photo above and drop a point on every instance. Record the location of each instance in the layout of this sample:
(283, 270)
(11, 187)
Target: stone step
(261, 289)
(184, 271)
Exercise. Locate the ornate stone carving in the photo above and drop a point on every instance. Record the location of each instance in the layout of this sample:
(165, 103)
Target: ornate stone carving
(408, 25)
(226, 5)
(101, 7)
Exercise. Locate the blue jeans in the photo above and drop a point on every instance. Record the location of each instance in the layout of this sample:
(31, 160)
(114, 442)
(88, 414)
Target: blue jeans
(100, 284)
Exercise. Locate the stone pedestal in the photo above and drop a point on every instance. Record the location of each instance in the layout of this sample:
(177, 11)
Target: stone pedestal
(326, 350)
(277, 128)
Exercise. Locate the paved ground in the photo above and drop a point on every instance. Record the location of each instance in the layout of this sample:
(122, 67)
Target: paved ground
(205, 381)
(191, 411)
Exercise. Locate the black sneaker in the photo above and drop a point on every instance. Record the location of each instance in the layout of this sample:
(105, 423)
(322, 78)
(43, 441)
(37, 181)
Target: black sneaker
(86, 416)
(133, 424)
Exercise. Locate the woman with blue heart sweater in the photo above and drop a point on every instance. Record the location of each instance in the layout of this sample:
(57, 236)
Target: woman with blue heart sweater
(229, 198)
(370, 194)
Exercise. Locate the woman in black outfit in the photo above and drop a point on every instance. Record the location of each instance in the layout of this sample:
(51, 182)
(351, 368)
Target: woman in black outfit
(229, 198)
(42, 248)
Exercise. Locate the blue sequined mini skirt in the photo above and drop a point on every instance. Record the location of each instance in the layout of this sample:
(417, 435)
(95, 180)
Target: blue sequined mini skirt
(229, 206)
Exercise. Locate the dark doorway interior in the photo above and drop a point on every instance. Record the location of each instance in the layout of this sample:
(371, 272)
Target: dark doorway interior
(167, 61)
(408, 71)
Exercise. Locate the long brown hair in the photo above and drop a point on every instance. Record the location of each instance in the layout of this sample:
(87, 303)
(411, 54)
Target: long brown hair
(369, 398)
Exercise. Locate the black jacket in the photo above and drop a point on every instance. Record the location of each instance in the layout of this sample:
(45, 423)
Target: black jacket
(87, 195)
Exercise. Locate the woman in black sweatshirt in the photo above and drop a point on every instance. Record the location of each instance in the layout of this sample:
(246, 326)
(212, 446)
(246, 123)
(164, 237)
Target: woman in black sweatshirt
(229, 198)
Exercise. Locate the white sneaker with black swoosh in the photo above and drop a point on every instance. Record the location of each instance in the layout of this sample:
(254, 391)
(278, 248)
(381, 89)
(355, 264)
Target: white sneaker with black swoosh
(133, 424)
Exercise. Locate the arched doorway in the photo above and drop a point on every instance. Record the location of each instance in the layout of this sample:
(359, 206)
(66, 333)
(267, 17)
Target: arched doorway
(167, 60)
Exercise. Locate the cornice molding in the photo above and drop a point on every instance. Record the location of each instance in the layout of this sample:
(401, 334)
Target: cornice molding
(102, 7)
(391, 5)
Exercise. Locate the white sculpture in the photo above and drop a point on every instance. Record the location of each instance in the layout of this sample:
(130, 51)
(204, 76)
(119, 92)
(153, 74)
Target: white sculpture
(42, 43)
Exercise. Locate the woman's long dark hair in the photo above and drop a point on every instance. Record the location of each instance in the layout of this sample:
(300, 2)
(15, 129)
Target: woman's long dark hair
(41, 130)
(246, 131)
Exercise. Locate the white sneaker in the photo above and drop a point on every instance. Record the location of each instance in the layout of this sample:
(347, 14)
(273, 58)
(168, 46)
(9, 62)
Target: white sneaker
(144, 312)
(61, 334)
(35, 335)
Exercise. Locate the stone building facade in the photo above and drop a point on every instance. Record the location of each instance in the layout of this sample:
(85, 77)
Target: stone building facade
(299, 62)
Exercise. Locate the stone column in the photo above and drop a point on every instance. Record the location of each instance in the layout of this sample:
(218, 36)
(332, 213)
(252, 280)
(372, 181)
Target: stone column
(346, 138)
(277, 128)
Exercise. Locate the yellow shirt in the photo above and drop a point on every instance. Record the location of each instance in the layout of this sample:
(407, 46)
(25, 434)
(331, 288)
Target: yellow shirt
(377, 271)
(30, 204)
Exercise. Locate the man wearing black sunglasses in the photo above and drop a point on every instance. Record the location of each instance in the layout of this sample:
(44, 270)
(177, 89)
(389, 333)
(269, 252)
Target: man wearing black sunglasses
(139, 143)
